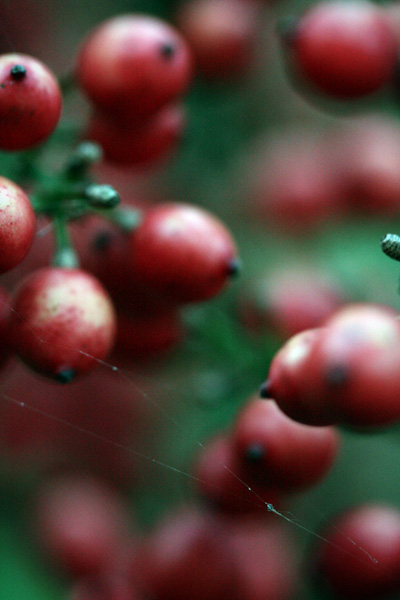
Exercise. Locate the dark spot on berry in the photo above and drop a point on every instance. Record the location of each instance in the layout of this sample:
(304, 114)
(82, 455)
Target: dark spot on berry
(254, 453)
(234, 267)
(264, 389)
(337, 375)
(65, 375)
(102, 240)
(2, 86)
(287, 29)
(168, 50)
(18, 72)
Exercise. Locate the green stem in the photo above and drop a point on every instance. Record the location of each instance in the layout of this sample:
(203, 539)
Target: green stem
(127, 219)
(65, 255)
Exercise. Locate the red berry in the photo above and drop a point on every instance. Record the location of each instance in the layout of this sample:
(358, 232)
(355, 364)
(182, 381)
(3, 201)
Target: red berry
(134, 64)
(182, 252)
(355, 366)
(280, 451)
(17, 224)
(62, 322)
(345, 49)
(146, 335)
(222, 35)
(288, 385)
(361, 555)
(289, 301)
(139, 143)
(188, 557)
(30, 102)
(81, 524)
(223, 479)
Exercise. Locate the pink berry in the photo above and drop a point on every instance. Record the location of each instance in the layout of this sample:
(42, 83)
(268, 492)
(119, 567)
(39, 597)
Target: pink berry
(62, 322)
(17, 224)
(30, 102)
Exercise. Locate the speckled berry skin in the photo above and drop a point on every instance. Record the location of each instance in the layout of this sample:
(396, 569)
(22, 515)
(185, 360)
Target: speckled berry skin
(62, 321)
(345, 49)
(17, 224)
(30, 103)
(134, 65)
(182, 251)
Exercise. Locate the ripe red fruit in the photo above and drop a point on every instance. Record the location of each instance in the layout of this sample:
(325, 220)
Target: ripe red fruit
(361, 555)
(17, 224)
(355, 365)
(222, 35)
(280, 451)
(134, 64)
(62, 321)
(30, 102)
(143, 336)
(223, 479)
(139, 143)
(344, 49)
(181, 252)
(187, 556)
(289, 301)
(81, 523)
(288, 385)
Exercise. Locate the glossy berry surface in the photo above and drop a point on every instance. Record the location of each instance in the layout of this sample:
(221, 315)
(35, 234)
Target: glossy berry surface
(134, 64)
(361, 554)
(344, 49)
(17, 224)
(288, 385)
(280, 451)
(355, 363)
(30, 102)
(62, 321)
(182, 252)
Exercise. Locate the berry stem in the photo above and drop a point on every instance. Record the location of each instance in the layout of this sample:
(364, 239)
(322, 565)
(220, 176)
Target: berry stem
(126, 219)
(65, 255)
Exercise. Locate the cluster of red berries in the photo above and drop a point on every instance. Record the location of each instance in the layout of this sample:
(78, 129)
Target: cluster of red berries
(341, 368)
(62, 319)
